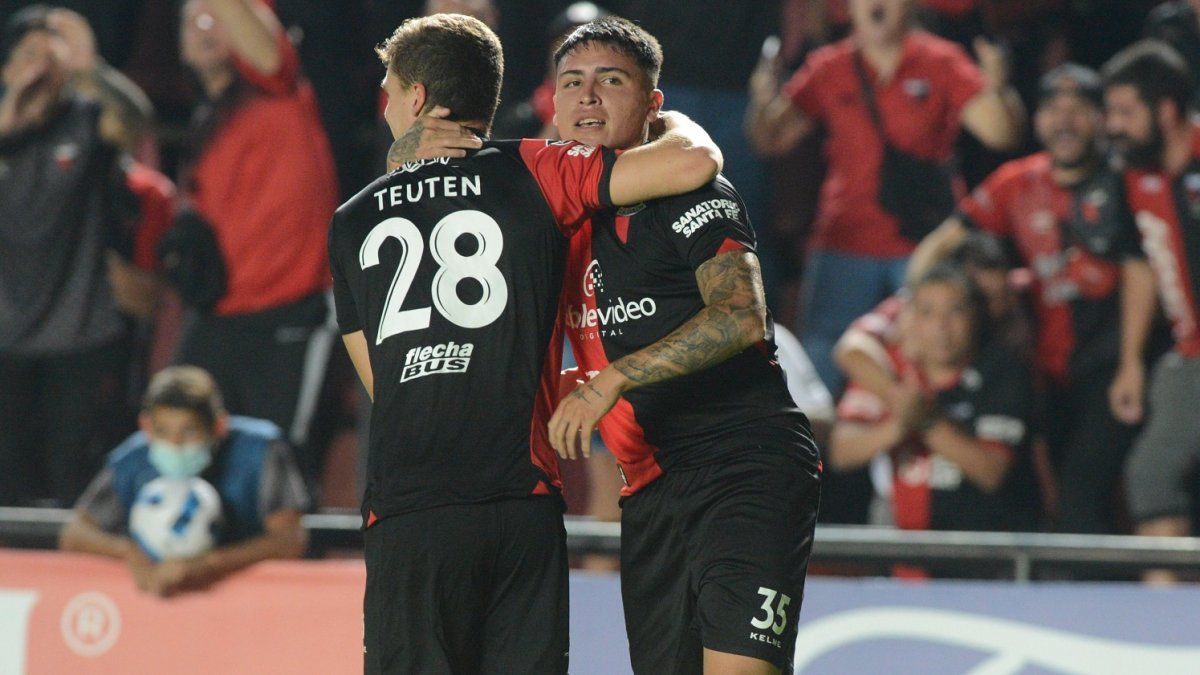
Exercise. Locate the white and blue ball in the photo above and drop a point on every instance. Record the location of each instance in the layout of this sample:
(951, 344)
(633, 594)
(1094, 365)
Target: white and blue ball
(176, 518)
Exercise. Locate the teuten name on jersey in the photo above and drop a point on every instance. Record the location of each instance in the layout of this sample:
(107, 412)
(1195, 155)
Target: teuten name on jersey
(436, 360)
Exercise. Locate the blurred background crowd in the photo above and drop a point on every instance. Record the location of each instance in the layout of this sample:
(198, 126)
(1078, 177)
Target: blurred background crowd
(168, 171)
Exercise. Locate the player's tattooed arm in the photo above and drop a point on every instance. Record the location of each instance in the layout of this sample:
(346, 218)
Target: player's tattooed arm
(430, 136)
(734, 318)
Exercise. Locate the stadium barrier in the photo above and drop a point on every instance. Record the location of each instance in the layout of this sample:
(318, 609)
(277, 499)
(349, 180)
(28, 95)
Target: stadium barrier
(1016, 555)
(67, 613)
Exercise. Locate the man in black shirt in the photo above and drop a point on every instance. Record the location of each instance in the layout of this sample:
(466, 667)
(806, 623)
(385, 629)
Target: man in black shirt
(64, 212)
(465, 548)
(663, 303)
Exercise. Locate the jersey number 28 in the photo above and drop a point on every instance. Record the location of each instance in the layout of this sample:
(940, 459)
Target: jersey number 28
(453, 267)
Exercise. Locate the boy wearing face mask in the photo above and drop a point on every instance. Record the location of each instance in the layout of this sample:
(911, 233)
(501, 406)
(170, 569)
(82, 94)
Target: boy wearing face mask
(185, 432)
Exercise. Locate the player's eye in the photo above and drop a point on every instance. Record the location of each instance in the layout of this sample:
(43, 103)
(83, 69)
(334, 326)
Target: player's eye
(612, 80)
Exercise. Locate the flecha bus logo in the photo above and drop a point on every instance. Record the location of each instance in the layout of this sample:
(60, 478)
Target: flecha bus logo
(443, 359)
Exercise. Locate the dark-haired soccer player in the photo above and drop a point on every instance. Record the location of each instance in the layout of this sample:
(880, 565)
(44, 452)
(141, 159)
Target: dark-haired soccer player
(447, 275)
(663, 303)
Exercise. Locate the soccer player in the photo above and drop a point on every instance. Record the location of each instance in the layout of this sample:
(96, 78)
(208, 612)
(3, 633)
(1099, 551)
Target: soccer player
(663, 303)
(447, 275)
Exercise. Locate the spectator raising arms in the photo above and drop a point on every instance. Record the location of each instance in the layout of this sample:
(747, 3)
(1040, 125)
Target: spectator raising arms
(64, 211)
(886, 90)
(262, 176)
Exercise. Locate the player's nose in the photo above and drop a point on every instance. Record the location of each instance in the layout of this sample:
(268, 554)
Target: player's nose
(587, 94)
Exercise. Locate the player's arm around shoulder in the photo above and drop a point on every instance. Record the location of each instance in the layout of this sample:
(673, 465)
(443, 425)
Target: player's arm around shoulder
(682, 158)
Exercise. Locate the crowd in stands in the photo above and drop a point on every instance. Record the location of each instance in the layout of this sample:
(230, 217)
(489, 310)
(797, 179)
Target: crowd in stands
(980, 218)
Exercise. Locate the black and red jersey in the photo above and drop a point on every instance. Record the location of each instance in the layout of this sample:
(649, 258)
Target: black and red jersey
(990, 401)
(1073, 239)
(452, 268)
(630, 281)
(1166, 210)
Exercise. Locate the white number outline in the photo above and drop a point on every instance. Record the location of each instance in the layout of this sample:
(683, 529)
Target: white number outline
(412, 248)
(452, 268)
(480, 266)
(776, 618)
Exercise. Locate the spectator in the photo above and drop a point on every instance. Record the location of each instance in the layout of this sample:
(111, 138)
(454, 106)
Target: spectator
(128, 116)
(1177, 23)
(262, 177)
(862, 350)
(1147, 90)
(535, 118)
(805, 385)
(955, 442)
(923, 88)
(245, 459)
(710, 48)
(1061, 209)
(65, 216)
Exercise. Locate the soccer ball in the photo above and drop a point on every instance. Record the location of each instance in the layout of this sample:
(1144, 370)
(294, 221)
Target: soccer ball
(175, 518)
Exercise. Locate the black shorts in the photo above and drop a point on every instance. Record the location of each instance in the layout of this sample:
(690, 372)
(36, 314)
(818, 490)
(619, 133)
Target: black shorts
(469, 588)
(714, 558)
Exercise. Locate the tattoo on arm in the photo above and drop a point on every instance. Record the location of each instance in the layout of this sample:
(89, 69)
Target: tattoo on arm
(581, 391)
(733, 319)
(404, 149)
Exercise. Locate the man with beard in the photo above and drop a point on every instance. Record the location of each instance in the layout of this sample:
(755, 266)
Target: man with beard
(1062, 211)
(1147, 90)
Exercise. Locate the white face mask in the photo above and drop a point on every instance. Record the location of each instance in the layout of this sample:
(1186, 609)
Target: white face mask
(180, 461)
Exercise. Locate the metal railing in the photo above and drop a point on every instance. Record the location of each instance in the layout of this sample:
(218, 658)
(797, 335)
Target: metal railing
(1021, 554)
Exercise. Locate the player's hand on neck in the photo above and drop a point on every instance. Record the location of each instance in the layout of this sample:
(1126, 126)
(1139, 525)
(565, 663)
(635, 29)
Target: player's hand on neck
(432, 135)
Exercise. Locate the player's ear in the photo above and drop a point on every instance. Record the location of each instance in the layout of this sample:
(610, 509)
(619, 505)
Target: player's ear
(656, 104)
(420, 96)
